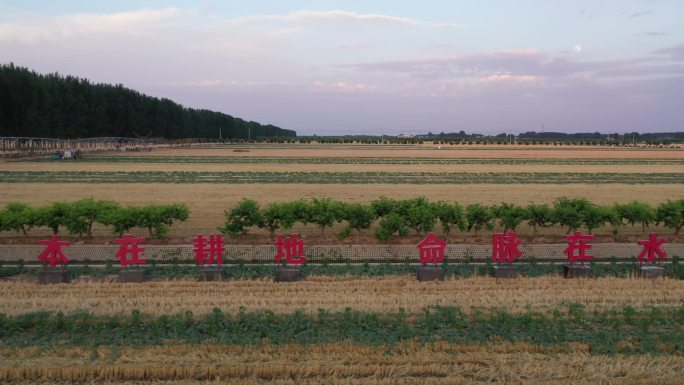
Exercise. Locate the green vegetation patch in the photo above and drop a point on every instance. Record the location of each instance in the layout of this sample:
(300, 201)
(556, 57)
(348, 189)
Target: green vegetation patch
(654, 330)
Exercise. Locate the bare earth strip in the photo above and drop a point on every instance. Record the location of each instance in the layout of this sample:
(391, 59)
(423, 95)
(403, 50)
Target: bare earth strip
(389, 168)
(379, 294)
(421, 152)
(336, 363)
(208, 201)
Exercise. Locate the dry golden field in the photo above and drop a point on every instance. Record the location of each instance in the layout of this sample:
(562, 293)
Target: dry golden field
(378, 294)
(425, 151)
(208, 201)
(335, 363)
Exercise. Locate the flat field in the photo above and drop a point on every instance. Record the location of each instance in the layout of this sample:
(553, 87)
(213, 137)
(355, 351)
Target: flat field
(211, 180)
(377, 294)
(390, 330)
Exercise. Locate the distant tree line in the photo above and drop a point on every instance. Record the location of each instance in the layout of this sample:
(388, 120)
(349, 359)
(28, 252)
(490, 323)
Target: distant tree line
(54, 106)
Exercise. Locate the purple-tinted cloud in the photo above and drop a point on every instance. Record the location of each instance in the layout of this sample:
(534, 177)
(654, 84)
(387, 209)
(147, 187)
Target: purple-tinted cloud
(674, 53)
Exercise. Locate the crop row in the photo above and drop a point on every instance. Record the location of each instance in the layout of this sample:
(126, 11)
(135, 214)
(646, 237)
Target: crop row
(257, 271)
(651, 330)
(337, 177)
(365, 160)
(399, 217)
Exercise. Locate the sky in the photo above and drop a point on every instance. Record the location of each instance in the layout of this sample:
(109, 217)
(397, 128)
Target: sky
(375, 67)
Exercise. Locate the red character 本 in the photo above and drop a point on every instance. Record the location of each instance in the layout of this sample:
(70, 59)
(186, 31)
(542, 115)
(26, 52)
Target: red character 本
(651, 249)
(53, 252)
(578, 242)
(208, 250)
(129, 245)
(432, 249)
(291, 248)
(505, 247)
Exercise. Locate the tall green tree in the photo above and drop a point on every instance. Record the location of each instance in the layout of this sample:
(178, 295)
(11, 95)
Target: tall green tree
(479, 217)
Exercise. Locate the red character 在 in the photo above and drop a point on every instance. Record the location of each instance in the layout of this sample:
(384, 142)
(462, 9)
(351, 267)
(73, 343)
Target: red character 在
(52, 254)
(209, 250)
(651, 249)
(505, 247)
(432, 249)
(129, 245)
(578, 243)
(291, 248)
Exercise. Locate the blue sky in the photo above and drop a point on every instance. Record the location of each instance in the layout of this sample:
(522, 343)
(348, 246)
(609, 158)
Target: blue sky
(352, 67)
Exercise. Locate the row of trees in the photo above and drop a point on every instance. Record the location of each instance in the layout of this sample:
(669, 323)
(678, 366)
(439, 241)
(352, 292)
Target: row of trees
(79, 217)
(419, 215)
(55, 106)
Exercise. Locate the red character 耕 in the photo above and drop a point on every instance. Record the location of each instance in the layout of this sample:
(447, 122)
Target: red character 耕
(208, 250)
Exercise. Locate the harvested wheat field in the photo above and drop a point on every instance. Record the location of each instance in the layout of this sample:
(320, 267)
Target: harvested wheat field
(378, 294)
(339, 363)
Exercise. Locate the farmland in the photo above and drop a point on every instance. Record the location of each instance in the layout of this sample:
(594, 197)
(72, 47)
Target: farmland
(346, 324)
(211, 180)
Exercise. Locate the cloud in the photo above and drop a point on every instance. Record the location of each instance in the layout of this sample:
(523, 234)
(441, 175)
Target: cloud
(639, 14)
(339, 16)
(674, 53)
(37, 29)
(343, 87)
(651, 34)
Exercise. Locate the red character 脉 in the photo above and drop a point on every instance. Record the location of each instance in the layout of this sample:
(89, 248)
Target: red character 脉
(129, 245)
(209, 250)
(651, 249)
(291, 248)
(505, 247)
(53, 252)
(578, 242)
(432, 249)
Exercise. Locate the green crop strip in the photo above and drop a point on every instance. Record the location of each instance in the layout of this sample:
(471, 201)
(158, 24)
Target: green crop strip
(336, 177)
(362, 160)
(654, 330)
(258, 271)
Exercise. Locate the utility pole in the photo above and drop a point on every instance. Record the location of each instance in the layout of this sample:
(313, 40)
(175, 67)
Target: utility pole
(220, 136)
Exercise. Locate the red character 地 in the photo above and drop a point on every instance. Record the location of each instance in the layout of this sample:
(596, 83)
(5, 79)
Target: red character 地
(652, 247)
(291, 248)
(505, 247)
(53, 254)
(129, 245)
(209, 250)
(432, 249)
(578, 243)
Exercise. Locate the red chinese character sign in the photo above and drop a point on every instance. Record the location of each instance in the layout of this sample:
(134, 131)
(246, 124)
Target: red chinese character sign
(432, 249)
(505, 247)
(578, 246)
(292, 248)
(652, 247)
(129, 245)
(209, 250)
(52, 255)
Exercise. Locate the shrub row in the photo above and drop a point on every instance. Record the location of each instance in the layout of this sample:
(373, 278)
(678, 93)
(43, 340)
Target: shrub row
(400, 217)
(78, 217)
